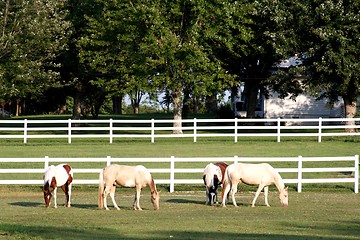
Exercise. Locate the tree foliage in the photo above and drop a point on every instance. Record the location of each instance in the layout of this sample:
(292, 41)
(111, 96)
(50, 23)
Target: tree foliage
(32, 35)
(331, 48)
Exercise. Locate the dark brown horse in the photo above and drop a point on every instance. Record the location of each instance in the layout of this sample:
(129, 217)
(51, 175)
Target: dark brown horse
(213, 178)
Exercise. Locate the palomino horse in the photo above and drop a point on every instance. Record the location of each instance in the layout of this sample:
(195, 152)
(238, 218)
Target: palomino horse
(126, 176)
(213, 177)
(262, 175)
(58, 176)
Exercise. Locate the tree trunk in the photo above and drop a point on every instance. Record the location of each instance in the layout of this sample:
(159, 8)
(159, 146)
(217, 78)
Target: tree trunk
(3, 109)
(117, 102)
(211, 104)
(77, 106)
(18, 108)
(177, 111)
(251, 92)
(350, 111)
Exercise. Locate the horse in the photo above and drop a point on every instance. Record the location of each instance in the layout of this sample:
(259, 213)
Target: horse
(126, 176)
(262, 175)
(213, 177)
(58, 176)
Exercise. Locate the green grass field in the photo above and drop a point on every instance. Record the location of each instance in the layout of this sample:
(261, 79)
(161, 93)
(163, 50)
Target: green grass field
(182, 215)
(326, 211)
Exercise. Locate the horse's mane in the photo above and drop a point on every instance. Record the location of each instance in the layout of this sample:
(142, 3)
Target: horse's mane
(278, 180)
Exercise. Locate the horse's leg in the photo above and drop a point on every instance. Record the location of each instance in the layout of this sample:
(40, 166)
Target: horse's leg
(207, 195)
(65, 188)
(216, 196)
(226, 190)
(137, 198)
(261, 186)
(69, 194)
(233, 191)
(55, 202)
(266, 193)
(112, 195)
(104, 196)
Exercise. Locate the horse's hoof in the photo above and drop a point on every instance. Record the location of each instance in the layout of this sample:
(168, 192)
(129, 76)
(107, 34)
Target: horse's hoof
(55, 206)
(107, 209)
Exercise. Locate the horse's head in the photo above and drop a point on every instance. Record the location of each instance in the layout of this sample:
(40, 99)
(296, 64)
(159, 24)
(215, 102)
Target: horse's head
(284, 197)
(47, 194)
(155, 199)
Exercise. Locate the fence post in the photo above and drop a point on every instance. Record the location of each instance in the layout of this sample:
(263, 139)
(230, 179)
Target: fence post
(46, 162)
(172, 174)
(236, 130)
(278, 130)
(152, 130)
(320, 126)
(111, 130)
(69, 130)
(299, 174)
(236, 159)
(195, 126)
(25, 130)
(356, 174)
(108, 160)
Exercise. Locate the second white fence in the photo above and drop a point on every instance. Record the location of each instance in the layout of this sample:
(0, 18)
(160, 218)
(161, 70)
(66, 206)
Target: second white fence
(349, 172)
(191, 128)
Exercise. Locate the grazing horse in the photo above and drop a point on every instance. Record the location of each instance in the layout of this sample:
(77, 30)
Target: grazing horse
(58, 176)
(213, 177)
(126, 176)
(262, 175)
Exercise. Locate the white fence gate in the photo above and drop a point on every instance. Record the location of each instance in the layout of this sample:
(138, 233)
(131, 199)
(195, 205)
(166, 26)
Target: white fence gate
(351, 168)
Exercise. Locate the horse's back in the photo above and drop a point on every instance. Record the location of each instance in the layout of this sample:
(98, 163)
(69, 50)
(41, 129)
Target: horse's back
(251, 174)
(60, 172)
(126, 176)
(222, 166)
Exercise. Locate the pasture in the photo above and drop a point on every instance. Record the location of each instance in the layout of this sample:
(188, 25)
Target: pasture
(326, 211)
(182, 215)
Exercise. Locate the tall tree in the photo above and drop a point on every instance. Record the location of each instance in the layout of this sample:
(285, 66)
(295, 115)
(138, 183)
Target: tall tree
(32, 33)
(254, 36)
(330, 43)
(112, 48)
(175, 50)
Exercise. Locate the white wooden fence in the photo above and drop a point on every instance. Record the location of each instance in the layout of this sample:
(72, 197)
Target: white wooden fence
(192, 128)
(351, 168)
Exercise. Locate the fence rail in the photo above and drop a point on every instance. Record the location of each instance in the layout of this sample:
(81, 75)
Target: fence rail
(191, 128)
(349, 173)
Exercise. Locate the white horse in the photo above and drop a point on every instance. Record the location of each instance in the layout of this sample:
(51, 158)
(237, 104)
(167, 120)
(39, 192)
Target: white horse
(126, 176)
(262, 175)
(58, 176)
(213, 177)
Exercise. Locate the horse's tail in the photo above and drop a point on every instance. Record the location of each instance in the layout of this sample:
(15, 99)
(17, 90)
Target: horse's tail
(101, 189)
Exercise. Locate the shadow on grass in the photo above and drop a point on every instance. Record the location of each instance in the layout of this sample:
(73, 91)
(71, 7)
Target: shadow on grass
(25, 232)
(27, 204)
(184, 201)
(79, 206)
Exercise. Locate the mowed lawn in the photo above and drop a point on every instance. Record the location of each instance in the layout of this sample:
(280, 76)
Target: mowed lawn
(319, 212)
(182, 215)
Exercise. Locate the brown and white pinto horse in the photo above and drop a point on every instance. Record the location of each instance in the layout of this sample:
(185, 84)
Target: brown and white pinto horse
(54, 177)
(261, 175)
(213, 177)
(126, 176)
